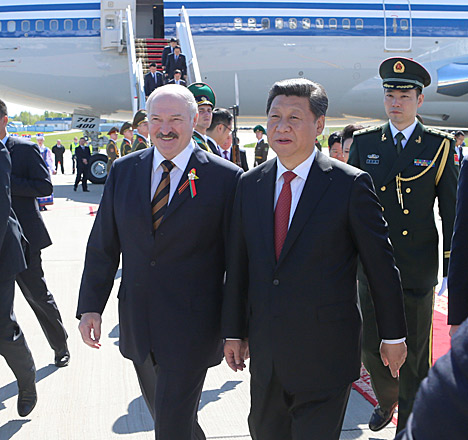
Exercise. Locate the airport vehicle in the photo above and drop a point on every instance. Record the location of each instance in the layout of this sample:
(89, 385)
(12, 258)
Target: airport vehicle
(79, 56)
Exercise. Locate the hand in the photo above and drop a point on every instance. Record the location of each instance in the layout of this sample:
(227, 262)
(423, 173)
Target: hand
(54, 172)
(90, 329)
(453, 330)
(393, 356)
(85, 161)
(236, 352)
(443, 287)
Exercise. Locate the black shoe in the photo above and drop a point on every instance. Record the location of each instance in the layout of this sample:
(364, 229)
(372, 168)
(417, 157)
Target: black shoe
(62, 358)
(380, 418)
(27, 400)
(74, 188)
(86, 191)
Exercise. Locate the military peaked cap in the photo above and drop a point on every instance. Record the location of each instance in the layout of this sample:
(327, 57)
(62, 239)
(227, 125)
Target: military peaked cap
(403, 73)
(140, 117)
(204, 94)
(125, 126)
(259, 128)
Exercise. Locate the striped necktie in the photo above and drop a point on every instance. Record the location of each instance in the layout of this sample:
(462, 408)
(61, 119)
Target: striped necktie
(161, 196)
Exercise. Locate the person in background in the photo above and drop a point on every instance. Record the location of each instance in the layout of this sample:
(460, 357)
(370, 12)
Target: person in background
(49, 161)
(459, 143)
(334, 146)
(73, 146)
(140, 124)
(153, 79)
(126, 130)
(261, 147)
(347, 139)
(111, 148)
(59, 150)
(176, 61)
(178, 79)
(169, 49)
(83, 154)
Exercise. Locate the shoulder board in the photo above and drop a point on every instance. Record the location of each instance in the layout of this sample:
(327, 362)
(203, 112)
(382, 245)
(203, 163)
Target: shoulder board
(441, 133)
(367, 130)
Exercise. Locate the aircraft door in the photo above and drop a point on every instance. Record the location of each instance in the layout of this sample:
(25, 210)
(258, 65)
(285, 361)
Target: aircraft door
(111, 22)
(158, 19)
(398, 28)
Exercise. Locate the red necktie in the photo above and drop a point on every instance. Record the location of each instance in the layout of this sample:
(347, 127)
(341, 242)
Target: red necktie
(282, 211)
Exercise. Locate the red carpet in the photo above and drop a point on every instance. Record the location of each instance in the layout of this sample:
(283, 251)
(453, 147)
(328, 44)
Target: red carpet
(440, 346)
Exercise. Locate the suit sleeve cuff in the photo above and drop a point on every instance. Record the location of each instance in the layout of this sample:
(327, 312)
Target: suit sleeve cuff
(233, 339)
(393, 341)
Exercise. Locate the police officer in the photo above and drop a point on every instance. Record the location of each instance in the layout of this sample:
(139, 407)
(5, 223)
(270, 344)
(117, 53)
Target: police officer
(140, 124)
(127, 132)
(411, 165)
(206, 100)
(111, 148)
(261, 149)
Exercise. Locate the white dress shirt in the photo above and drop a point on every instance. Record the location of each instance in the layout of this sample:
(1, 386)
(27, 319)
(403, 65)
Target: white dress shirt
(407, 132)
(180, 161)
(221, 152)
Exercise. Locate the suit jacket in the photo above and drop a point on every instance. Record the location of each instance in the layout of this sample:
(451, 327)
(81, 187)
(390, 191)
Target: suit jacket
(58, 150)
(413, 232)
(12, 259)
(171, 289)
(440, 410)
(151, 83)
(82, 153)
(182, 82)
(166, 51)
(301, 313)
(30, 179)
(243, 158)
(458, 268)
(213, 147)
(172, 65)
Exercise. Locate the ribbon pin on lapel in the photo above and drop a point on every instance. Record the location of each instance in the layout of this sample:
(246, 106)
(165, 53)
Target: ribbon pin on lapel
(192, 176)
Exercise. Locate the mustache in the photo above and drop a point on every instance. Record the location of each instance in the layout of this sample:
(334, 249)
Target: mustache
(171, 133)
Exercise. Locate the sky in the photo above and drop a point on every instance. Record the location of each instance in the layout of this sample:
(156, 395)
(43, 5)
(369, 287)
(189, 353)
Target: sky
(15, 109)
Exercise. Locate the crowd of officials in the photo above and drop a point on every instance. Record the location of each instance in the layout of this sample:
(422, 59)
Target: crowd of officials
(343, 236)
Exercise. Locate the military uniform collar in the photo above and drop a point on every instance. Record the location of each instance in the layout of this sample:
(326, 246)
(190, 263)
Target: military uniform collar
(407, 132)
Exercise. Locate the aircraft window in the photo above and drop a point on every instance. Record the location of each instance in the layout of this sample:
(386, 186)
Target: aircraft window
(404, 24)
(82, 25)
(25, 25)
(11, 26)
(68, 25)
(110, 22)
(306, 23)
(292, 23)
(265, 23)
(238, 23)
(332, 23)
(279, 23)
(53, 25)
(39, 25)
(96, 24)
(319, 23)
(359, 23)
(346, 23)
(251, 22)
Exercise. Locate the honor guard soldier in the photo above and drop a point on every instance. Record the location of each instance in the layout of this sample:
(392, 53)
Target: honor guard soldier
(111, 148)
(140, 124)
(206, 100)
(261, 149)
(127, 132)
(410, 165)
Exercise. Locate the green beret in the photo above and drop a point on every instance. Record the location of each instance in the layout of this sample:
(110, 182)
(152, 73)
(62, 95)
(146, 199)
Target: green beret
(113, 130)
(259, 128)
(204, 94)
(140, 116)
(403, 74)
(125, 126)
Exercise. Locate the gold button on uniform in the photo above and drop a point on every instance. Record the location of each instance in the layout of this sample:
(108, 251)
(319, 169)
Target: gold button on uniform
(405, 211)
(383, 188)
(404, 233)
(408, 190)
(383, 209)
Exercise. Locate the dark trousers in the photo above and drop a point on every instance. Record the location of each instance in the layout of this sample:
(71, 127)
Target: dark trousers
(172, 398)
(33, 285)
(82, 176)
(13, 345)
(276, 414)
(59, 160)
(74, 163)
(388, 390)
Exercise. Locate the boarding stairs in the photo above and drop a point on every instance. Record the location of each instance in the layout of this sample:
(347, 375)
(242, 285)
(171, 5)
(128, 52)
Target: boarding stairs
(149, 50)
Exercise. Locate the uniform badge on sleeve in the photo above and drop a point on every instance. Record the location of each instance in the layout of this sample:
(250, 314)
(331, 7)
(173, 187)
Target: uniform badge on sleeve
(372, 159)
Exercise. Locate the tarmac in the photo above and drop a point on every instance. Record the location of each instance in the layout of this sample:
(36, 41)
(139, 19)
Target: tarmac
(97, 396)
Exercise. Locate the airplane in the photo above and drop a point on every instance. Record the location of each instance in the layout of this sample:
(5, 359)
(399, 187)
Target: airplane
(80, 57)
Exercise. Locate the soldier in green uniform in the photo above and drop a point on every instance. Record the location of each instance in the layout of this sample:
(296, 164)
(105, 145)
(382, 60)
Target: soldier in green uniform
(127, 132)
(410, 165)
(261, 149)
(206, 100)
(140, 124)
(111, 148)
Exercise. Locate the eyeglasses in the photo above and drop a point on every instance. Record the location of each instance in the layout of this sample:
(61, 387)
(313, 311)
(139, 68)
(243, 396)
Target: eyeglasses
(224, 125)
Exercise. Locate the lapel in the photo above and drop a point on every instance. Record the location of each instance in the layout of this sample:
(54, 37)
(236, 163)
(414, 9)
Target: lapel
(197, 160)
(142, 177)
(412, 149)
(315, 187)
(265, 197)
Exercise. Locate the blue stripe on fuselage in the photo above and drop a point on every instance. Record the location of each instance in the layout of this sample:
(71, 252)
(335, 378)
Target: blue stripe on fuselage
(51, 7)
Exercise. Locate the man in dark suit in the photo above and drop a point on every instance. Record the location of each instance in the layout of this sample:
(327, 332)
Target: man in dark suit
(410, 165)
(59, 150)
(13, 346)
(173, 265)
(177, 79)
(176, 61)
(153, 79)
(30, 179)
(459, 138)
(458, 268)
(169, 49)
(291, 288)
(83, 154)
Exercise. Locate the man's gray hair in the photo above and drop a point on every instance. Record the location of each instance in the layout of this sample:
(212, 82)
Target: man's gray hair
(174, 89)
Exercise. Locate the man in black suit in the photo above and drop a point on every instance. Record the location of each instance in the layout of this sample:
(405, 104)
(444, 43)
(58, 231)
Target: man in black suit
(177, 79)
(13, 346)
(169, 49)
(30, 179)
(83, 154)
(176, 61)
(59, 150)
(458, 267)
(291, 289)
(173, 265)
(153, 79)
(459, 138)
